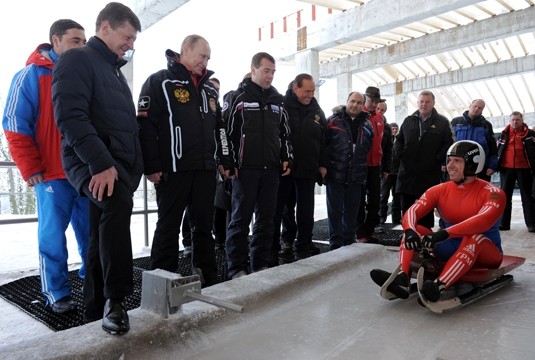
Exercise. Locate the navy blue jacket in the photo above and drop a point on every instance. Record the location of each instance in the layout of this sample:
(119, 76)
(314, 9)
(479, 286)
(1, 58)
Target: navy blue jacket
(96, 115)
(479, 130)
(348, 156)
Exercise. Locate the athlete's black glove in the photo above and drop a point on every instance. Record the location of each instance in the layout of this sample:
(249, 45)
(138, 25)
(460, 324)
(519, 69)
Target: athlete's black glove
(412, 240)
(429, 241)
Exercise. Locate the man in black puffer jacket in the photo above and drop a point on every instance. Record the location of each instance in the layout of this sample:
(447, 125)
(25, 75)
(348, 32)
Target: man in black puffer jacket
(307, 124)
(102, 157)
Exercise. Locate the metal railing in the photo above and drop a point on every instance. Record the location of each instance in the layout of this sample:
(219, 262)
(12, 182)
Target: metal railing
(145, 211)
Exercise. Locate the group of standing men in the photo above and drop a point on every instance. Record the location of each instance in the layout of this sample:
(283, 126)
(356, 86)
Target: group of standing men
(266, 143)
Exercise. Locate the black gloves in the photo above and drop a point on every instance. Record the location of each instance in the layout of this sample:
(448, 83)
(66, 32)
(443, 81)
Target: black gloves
(430, 240)
(412, 240)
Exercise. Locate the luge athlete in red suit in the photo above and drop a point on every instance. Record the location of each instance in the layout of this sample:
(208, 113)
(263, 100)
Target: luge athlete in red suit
(472, 209)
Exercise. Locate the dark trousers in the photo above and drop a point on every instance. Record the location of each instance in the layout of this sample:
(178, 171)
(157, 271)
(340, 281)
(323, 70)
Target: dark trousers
(109, 267)
(388, 185)
(407, 200)
(221, 221)
(194, 189)
(368, 215)
(287, 232)
(508, 178)
(303, 190)
(253, 191)
(186, 229)
(343, 203)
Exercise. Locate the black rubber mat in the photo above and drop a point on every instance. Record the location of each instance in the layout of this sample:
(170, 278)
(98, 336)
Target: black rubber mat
(25, 293)
(389, 237)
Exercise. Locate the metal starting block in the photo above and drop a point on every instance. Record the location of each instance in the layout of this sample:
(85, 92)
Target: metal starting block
(164, 292)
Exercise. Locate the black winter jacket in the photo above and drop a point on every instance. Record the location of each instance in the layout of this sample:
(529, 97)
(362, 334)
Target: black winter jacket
(387, 144)
(348, 163)
(96, 115)
(528, 143)
(257, 127)
(180, 124)
(308, 126)
(420, 158)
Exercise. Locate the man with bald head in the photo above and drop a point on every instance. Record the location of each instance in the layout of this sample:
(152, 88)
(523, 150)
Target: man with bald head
(181, 129)
(473, 126)
(349, 140)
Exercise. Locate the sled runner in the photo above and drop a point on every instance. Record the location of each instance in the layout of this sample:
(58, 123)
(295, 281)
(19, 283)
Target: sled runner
(475, 284)
(481, 282)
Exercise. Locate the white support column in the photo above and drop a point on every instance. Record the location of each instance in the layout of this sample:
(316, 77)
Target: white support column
(308, 62)
(401, 107)
(128, 72)
(343, 87)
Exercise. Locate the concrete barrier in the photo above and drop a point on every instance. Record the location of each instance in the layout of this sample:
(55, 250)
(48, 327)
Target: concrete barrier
(151, 330)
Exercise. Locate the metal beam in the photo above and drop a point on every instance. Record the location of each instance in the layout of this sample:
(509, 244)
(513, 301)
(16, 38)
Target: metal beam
(369, 19)
(334, 4)
(476, 73)
(152, 11)
(491, 29)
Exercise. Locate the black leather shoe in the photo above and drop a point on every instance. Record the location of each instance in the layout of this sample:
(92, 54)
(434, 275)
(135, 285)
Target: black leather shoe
(63, 305)
(115, 320)
(314, 250)
(286, 256)
(504, 228)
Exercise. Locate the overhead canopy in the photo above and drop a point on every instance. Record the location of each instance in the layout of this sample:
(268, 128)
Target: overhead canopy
(152, 11)
(460, 49)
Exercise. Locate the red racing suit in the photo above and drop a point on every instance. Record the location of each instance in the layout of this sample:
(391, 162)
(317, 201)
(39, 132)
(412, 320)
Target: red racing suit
(472, 213)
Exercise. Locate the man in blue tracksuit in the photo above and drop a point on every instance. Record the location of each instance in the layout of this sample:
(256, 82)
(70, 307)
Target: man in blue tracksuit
(35, 146)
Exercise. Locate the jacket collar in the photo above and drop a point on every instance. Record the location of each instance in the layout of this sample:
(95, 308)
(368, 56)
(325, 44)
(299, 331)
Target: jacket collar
(110, 57)
(174, 64)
